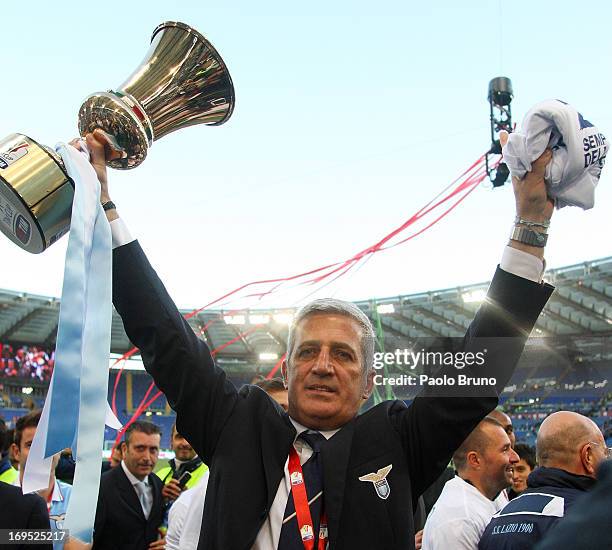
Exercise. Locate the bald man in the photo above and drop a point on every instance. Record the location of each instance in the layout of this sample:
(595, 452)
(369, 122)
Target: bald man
(570, 447)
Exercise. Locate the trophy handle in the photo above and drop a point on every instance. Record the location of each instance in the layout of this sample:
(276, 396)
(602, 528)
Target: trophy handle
(35, 193)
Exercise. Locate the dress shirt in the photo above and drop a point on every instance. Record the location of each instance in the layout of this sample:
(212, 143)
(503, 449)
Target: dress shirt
(269, 534)
(135, 483)
(459, 517)
(185, 520)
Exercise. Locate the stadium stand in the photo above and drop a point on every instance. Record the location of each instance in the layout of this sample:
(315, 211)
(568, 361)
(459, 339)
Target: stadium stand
(567, 363)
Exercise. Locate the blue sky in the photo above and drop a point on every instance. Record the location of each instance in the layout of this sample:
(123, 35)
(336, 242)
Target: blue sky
(348, 118)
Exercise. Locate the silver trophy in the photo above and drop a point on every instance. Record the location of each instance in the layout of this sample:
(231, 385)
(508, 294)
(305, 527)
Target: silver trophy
(182, 81)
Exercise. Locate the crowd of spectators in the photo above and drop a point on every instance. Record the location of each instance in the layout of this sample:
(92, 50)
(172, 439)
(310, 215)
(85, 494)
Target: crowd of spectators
(468, 508)
(473, 506)
(26, 362)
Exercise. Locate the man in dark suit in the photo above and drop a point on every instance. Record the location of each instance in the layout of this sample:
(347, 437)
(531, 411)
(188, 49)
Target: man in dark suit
(130, 505)
(366, 470)
(21, 511)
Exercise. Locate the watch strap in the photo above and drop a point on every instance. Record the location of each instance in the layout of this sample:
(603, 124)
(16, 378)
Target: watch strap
(528, 236)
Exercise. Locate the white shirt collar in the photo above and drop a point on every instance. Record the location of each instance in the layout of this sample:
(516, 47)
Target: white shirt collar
(467, 486)
(301, 428)
(57, 495)
(133, 479)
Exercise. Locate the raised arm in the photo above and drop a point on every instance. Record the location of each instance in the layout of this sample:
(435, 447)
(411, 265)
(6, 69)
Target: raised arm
(443, 416)
(179, 362)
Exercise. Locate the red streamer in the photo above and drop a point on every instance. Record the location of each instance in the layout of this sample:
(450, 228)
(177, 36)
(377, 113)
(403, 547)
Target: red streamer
(464, 184)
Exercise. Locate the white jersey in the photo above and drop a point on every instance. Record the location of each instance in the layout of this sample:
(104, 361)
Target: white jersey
(459, 517)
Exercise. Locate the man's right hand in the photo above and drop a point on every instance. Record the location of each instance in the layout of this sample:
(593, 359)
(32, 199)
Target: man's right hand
(172, 490)
(101, 152)
(98, 147)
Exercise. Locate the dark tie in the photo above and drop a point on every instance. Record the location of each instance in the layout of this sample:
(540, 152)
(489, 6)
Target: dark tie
(312, 470)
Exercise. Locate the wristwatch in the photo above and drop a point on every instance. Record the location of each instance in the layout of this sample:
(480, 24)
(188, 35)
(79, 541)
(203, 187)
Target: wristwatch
(528, 236)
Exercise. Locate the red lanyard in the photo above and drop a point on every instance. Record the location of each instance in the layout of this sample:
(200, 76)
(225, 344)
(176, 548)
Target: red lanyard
(302, 509)
(49, 498)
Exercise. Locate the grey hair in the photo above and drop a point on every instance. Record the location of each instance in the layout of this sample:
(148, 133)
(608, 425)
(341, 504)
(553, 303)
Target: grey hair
(338, 307)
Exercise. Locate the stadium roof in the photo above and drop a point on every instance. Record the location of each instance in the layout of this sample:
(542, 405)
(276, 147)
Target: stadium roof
(581, 306)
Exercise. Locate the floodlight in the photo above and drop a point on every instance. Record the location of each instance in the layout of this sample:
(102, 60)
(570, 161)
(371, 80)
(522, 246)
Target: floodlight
(265, 356)
(283, 318)
(234, 319)
(259, 319)
(474, 296)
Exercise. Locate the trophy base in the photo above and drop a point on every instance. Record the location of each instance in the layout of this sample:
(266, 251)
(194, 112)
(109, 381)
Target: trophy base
(120, 116)
(35, 194)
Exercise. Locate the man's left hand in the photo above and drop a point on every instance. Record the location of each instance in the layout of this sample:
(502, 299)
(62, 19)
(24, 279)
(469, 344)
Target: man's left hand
(532, 200)
(172, 490)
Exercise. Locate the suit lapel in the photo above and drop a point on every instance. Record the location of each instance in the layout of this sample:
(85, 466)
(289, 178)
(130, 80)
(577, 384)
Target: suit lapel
(277, 438)
(128, 494)
(335, 461)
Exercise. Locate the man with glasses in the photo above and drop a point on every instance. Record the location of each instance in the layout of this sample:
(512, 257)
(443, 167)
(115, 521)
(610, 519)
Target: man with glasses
(570, 448)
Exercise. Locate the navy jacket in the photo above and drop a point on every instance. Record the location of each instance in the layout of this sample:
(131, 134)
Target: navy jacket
(526, 519)
(588, 524)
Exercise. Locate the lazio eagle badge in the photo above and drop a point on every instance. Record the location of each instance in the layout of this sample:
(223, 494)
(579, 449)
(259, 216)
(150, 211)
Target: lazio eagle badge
(379, 479)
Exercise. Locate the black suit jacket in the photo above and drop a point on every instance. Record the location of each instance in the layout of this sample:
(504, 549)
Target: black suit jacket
(245, 437)
(21, 511)
(120, 522)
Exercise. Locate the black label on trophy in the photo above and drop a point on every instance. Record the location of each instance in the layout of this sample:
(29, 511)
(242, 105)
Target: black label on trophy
(23, 229)
(13, 154)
